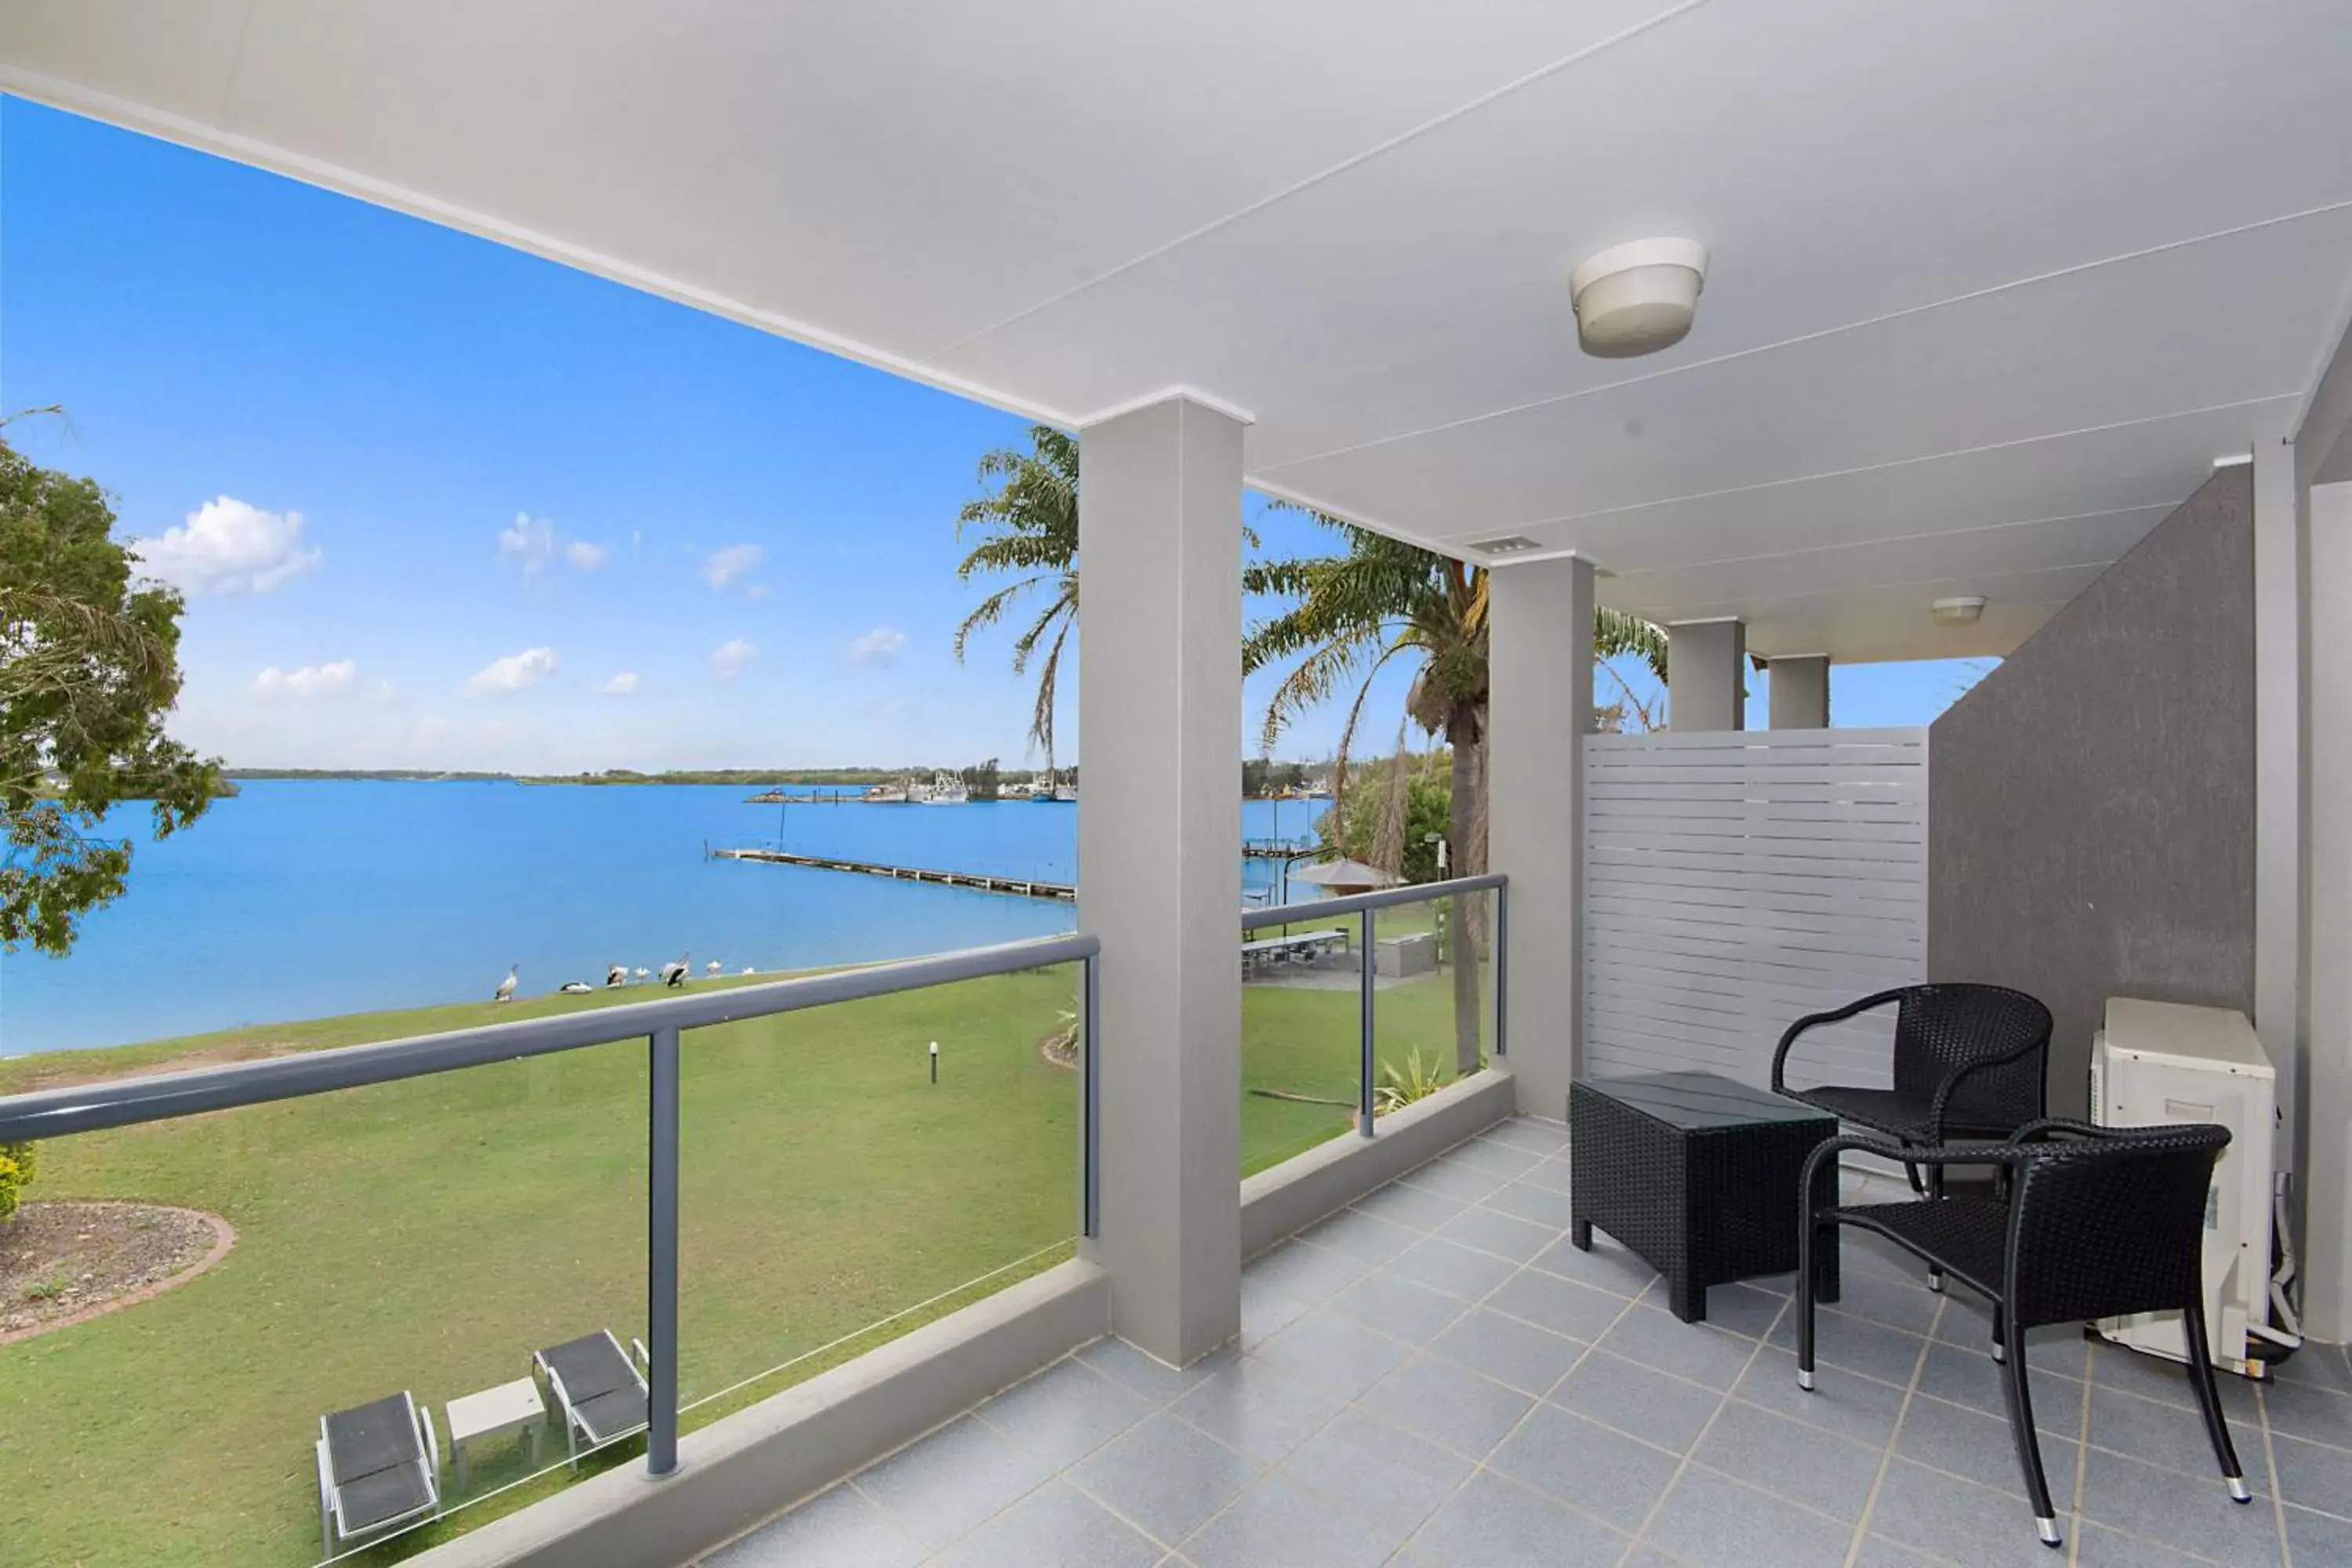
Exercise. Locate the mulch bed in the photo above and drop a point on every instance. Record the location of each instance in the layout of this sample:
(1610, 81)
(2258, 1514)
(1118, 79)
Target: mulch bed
(63, 1262)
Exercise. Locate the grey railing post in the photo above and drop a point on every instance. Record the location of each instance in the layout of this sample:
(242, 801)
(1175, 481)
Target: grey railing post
(661, 1254)
(1364, 1070)
(1502, 967)
(1090, 1103)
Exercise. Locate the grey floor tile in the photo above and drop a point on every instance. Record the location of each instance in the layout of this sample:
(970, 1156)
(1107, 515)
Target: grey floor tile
(2308, 1474)
(1538, 1206)
(1608, 1267)
(1266, 1312)
(1447, 1403)
(1905, 1304)
(2316, 1538)
(2101, 1546)
(1280, 1521)
(2153, 1377)
(2157, 1504)
(1877, 1551)
(1365, 1236)
(950, 1480)
(1304, 1271)
(1645, 1555)
(1056, 1526)
(2058, 1348)
(1486, 1154)
(1845, 1402)
(1446, 1265)
(1691, 1350)
(1798, 1462)
(1519, 1354)
(1066, 1412)
(1573, 1460)
(1563, 1306)
(1146, 1375)
(1401, 1308)
(1971, 1378)
(2300, 1410)
(1493, 1523)
(1660, 1410)
(1740, 1309)
(2169, 1436)
(1335, 1353)
(1708, 1518)
(1857, 1344)
(1454, 1181)
(2316, 1365)
(1970, 1443)
(1415, 1206)
(837, 1529)
(1490, 1230)
(1528, 1133)
(1259, 1409)
(1974, 1526)
(1377, 1473)
(1552, 1174)
(1166, 1476)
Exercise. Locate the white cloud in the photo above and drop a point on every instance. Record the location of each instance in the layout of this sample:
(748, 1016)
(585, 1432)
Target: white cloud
(879, 645)
(229, 547)
(584, 556)
(755, 590)
(311, 680)
(514, 673)
(531, 540)
(725, 565)
(433, 726)
(621, 685)
(728, 658)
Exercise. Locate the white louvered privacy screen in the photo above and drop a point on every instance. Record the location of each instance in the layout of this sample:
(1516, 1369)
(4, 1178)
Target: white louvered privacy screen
(1735, 881)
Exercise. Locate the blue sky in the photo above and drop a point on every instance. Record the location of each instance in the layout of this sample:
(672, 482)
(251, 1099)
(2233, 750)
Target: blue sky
(440, 504)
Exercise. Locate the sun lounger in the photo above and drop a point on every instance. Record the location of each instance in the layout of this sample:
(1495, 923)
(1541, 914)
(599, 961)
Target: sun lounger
(600, 1391)
(379, 1467)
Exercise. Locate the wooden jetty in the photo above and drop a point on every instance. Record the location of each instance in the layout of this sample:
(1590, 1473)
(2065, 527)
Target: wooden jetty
(1020, 887)
(1279, 849)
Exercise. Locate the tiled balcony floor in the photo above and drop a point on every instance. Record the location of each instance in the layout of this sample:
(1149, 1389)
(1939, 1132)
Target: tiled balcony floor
(1436, 1377)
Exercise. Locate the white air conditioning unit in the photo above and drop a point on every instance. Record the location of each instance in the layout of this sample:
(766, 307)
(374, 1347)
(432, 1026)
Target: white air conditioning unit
(2156, 1062)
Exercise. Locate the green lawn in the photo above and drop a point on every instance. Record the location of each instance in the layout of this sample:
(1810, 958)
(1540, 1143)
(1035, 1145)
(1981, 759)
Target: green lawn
(429, 1234)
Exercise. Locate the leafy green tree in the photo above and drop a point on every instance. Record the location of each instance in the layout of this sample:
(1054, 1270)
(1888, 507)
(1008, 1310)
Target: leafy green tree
(88, 668)
(1029, 521)
(1378, 599)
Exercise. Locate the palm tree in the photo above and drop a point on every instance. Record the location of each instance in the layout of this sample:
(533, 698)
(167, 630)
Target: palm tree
(1381, 599)
(1031, 521)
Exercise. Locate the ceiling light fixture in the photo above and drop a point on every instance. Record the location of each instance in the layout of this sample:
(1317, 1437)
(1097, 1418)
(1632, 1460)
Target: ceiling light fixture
(2234, 460)
(1637, 299)
(1959, 610)
(1510, 546)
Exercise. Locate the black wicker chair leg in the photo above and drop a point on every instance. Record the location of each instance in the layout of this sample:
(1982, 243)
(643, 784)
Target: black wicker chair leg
(2029, 1446)
(2209, 1400)
(1916, 1185)
(1806, 1236)
(2000, 1334)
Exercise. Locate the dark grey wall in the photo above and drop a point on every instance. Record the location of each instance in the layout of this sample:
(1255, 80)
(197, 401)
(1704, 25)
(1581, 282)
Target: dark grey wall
(2091, 803)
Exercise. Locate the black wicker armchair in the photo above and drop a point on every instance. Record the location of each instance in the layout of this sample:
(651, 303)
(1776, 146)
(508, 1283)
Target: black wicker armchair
(2099, 1222)
(1970, 1061)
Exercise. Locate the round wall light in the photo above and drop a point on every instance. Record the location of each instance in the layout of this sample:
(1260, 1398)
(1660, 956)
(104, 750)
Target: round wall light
(1961, 611)
(1637, 299)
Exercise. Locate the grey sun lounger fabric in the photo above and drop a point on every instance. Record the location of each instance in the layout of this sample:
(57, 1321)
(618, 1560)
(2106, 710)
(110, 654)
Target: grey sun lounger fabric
(376, 1464)
(599, 1386)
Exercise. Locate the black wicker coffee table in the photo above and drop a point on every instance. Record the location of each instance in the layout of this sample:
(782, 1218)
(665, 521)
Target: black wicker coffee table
(1698, 1175)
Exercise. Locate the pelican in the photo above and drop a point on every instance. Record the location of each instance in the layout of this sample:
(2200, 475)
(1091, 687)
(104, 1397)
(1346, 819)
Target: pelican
(711, 968)
(640, 975)
(575, 988)
(749, 970)
(507, 987)
(673, 973)
(617, 975)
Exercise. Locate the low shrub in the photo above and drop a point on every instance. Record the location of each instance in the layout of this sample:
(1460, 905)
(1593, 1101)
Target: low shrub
(16, 1167)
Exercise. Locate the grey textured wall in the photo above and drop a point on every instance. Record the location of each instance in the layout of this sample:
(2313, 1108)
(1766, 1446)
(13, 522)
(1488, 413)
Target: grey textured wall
(2091, 803)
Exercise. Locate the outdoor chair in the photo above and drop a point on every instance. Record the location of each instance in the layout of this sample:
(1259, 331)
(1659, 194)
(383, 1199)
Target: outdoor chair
(599, 1393)
(1970, 1061)
(379, 1467)
(2096, 1222)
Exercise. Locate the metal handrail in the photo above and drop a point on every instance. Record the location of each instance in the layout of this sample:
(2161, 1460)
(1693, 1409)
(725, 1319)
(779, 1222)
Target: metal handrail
(161, 1097)
(157, 1097)
(1355, 903)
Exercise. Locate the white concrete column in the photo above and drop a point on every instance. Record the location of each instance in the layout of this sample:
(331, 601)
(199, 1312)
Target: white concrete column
(1160, 854)
(2278, 779)
(2326, 1163)
(1539, 710)
(1797, 692)
(1706, 675)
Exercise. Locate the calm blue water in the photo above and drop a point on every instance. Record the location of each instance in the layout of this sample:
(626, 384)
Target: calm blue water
(301, 900)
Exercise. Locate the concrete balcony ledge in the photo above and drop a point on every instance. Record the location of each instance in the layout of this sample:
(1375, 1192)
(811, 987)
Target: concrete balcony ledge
(756, 1463)
(1286, 1199)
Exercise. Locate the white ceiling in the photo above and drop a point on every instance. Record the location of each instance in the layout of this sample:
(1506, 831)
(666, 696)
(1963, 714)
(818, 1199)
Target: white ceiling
(1993, 280)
